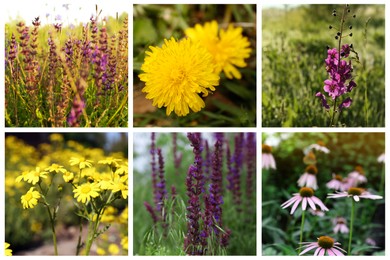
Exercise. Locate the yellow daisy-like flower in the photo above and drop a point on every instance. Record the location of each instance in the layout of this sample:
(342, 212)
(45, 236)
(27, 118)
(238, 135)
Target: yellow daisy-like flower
(228, 48)
(22, 177)
(176, 74)
(125, 242)
(119, 184)
(30, 199)
(56, 168)
(81, 162)
(68, 176)
(100, 251)
(34, 176)
(7, 250)
(56, 138)
(110, 161)
(113, 249)
(86, 191)
(122, 169)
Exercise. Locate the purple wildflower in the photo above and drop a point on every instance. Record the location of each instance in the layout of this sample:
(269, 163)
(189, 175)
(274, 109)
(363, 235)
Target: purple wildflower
(153, 164)
(161, 190)
(323, 100)
(238, 160)
(194, 242)
(346, 103)
(250, 164)
(151, 211)
(176, 157)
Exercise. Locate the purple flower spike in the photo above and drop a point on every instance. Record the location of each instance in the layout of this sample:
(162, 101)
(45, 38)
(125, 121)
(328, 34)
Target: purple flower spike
(161, 190)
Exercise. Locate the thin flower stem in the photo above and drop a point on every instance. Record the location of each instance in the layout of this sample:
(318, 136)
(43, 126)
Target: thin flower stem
(53, 231)
(301, 235)
(382, 185)
(351, 226)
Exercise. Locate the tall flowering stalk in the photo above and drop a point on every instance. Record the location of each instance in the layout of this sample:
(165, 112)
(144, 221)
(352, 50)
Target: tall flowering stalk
(339, 70)
(193, 242)
(250, 159)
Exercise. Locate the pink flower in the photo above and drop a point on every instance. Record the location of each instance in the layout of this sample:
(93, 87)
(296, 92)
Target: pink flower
(340, 225)
(356, 193)
(337, 183)
(357, 177)
(324, 246)
(268, 161)
(308, 178)
(306, 196)
(319, 146)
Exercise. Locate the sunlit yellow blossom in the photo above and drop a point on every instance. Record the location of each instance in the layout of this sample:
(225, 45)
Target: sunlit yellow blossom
(124, 216)
(56, 138)
(100, 251)
(228, 47)
(125, 243)
(81, 162)
(109, 215)
(30, 199)
(56, 168)
(68, 176)
(122, 169)
(110, 161)
(119, 184)
(7, 250)
(113, 249)
(86, 191)
(22, 177)
(176, 74)
(34, 176)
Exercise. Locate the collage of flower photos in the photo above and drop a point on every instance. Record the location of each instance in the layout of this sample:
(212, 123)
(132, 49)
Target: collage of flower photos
(133, 129)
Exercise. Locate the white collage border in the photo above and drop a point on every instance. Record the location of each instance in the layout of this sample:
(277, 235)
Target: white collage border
(128, 7)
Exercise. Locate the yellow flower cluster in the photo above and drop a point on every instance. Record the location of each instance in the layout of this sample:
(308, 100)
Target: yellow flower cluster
(178, 72)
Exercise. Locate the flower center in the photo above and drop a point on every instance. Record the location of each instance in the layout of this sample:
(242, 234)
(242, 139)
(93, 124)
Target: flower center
(321, 143)
(355, 191)
(311, 169)
(338, 177)
(266, 148)
(340, 221)
(28, 197)
(306, 192)
(85, 189)
(178, 75)
(325, 242)
(359, 169)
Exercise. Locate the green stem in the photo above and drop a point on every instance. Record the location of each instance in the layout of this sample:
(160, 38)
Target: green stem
(301, 235)
(53, 231)
(351, 226)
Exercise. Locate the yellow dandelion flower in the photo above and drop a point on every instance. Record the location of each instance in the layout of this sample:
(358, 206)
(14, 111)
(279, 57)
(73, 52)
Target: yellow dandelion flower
(86, 191)
(7, 250)
(125, 243)
(176, 74)
(81, 162)
(35, 176)
(113, 249)
(30, 199)
(228, 48)
(56, 168)
(68, 176)
(110, 161)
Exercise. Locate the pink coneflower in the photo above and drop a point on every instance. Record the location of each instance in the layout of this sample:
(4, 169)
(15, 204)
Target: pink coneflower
(356, 193)
(308, 178)
(340, 225)
(324, 246)
(267, 158)
(309, 158)
(357, 176)
(319, 146)
(306, 196)
(337, 183)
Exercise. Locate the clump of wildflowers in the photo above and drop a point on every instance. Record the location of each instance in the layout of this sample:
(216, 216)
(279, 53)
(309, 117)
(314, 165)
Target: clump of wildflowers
(339, 69)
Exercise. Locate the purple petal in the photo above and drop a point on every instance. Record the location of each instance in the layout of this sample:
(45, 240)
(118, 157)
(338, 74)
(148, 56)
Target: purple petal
(319, 203)
(312, 204)
(304, 203)
(317, 251)
(337, 252)
(289, 202)
(346, 103)
(321, 252)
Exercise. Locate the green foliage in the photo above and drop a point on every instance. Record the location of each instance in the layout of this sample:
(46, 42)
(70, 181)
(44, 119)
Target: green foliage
(294, 50)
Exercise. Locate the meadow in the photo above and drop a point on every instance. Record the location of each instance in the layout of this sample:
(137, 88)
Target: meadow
(65, 194)
(67, 76)
(295, 40)
(322, 165)
(194, 194)
(233, 103)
